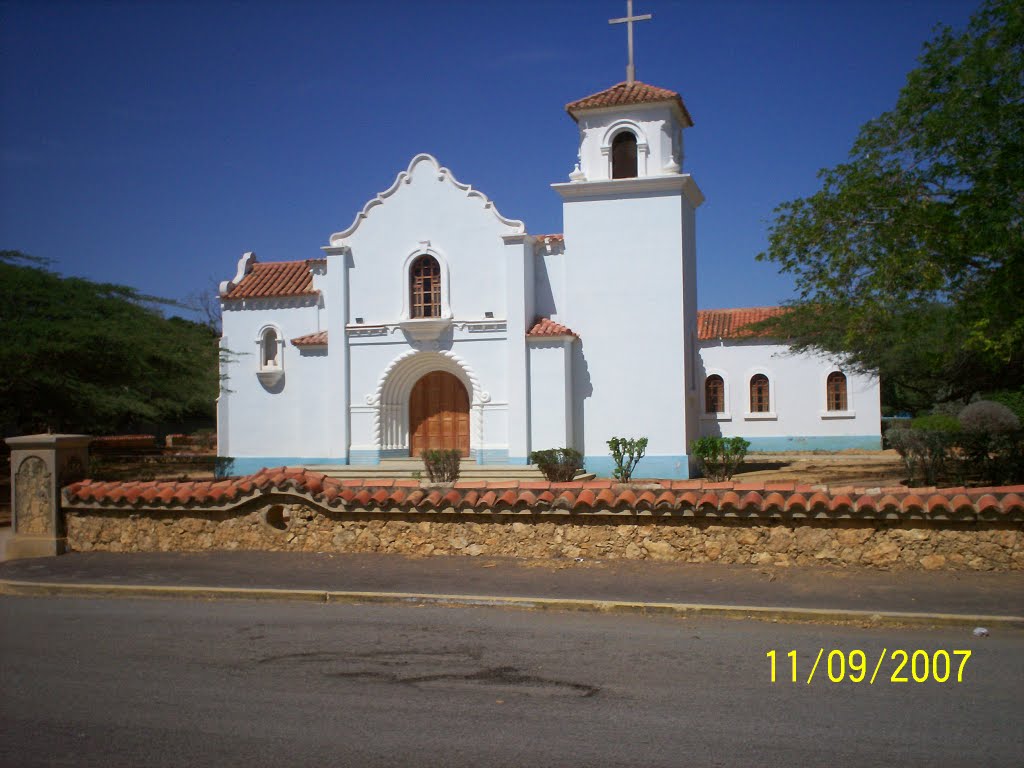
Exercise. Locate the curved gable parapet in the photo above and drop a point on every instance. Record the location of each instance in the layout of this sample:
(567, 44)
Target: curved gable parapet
(244, 267)
(405, 177)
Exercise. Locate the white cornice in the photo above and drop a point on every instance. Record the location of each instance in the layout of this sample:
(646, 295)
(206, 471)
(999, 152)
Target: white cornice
(516, 226)
(667, 183)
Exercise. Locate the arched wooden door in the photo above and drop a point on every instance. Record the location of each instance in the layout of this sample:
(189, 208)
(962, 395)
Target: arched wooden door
(438, 414)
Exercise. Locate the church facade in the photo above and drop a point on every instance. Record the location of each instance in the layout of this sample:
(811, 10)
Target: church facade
(433, 321)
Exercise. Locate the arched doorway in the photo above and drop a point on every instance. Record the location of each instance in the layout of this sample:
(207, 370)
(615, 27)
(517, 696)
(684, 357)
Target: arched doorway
(438, 414)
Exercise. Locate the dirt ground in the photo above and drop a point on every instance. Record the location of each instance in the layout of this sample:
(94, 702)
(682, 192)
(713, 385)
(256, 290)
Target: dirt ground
(870, 469)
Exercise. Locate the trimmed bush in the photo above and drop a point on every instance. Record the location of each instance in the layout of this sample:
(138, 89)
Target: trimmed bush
(442, 465)
(720, 457)
(988, 417)
(626, 453)
(559, 465)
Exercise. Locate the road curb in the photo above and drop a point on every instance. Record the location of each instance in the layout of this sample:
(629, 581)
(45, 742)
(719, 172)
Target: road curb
(17, 588)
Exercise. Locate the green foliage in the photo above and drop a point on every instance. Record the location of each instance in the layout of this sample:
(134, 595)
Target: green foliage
(1014, 400)
(80, 356)
(720, 457)
(442, 464)
(936, 422)
(932, 457)
(559, 465)
(626, 452)
(925, 453)
(910, 259)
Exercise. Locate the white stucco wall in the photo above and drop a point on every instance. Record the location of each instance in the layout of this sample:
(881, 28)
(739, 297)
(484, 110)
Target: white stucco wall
(283, 420)
(798, 419)
(625, 283)
(550, 393)
(425, 211)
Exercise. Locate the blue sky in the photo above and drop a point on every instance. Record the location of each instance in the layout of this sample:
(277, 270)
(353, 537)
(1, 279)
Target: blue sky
(152, 143)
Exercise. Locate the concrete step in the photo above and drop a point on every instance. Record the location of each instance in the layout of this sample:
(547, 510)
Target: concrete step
(468, 470)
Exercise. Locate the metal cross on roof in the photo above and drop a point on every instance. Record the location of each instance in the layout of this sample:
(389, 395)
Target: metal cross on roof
(628, 21)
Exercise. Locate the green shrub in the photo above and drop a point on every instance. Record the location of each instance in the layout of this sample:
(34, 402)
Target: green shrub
(720, 457)
(936, 422)
(442, 465)
(626, 452)
(925, 453)
(559, 465)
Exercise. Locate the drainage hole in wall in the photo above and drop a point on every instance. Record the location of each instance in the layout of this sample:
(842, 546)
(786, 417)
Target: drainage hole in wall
(276, 517)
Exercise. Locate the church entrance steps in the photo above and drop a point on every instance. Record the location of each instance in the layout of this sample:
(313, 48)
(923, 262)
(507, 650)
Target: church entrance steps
(468, 470)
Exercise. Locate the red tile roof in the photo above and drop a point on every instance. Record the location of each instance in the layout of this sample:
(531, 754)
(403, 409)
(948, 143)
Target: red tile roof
(732, 323)
(694, 498)
(545, 326)
(276, 278)
(318, 339)
(623, 94)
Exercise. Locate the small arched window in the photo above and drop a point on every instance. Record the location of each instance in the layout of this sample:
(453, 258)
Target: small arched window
(835, 392)
(624, 155)
(425, 287)
(270, 350)
(714, 394)
(759, 400)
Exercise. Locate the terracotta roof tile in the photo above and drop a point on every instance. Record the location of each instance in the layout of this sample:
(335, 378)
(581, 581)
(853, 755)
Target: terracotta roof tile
(622, 94)
(545, 326)
(311, 340)
(701, 498)
(276, 278)
(732, 323)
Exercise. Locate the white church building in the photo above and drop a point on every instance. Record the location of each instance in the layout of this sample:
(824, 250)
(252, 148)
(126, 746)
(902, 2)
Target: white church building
(433, 321)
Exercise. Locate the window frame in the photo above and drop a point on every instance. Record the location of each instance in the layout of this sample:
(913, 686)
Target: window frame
(826, 412)
(418, 294)
(406, 277)
(750, 414)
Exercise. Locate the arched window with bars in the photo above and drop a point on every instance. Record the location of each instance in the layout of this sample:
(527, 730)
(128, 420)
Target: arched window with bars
(714, 394)
(835, 392)
(624, 165)
(759, 394)
(425, 287)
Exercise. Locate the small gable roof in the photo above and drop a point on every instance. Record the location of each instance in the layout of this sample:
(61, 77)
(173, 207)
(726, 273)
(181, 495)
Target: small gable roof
(275, 279)
(318, 339)
(733, 323)
(626, 93)
(545, 326)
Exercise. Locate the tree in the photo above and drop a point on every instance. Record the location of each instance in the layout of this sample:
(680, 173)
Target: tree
(77, 355)
(910, 259)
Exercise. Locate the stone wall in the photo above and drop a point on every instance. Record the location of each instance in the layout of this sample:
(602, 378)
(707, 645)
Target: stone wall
(281, 524)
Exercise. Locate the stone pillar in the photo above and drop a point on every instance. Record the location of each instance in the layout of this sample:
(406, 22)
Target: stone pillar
(40, 466)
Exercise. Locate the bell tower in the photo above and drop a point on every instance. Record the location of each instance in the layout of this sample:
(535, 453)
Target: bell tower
(629, 216)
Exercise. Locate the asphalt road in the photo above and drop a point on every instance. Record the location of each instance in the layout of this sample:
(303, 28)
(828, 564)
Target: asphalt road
(173, 683)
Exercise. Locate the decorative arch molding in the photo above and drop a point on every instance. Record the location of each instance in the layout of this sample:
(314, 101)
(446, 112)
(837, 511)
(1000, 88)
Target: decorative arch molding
(515, 226)
(391, 398)
(642, 146)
